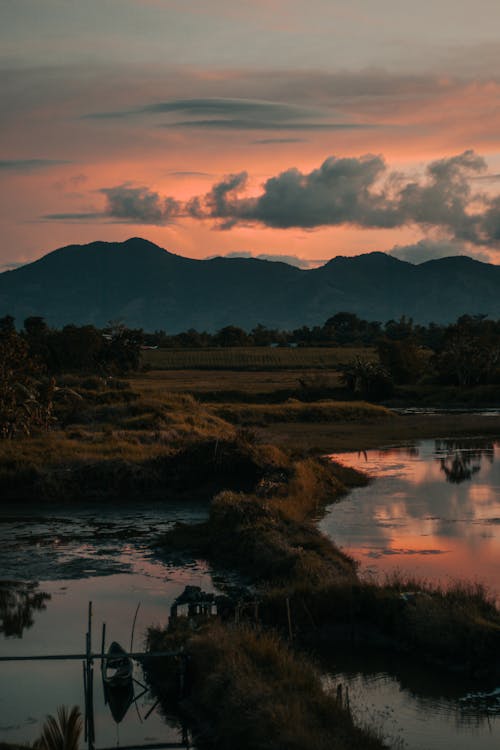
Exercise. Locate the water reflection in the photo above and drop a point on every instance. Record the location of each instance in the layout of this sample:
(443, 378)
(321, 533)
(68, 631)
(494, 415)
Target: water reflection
(433, 510)
(460, 460)
(18, 603)
(91, 553)
(412, 706)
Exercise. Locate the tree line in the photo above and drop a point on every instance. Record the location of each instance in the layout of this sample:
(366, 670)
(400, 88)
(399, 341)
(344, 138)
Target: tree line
(465, 353)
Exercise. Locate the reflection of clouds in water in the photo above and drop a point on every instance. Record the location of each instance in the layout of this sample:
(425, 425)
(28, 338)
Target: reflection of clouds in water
(377, 553)
(482, 493)
(411, 501)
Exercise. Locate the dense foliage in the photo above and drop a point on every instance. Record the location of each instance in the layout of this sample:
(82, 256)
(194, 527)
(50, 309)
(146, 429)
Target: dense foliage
(31, 358)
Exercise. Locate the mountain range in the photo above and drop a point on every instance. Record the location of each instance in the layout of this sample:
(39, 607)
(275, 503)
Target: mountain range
(148, 287)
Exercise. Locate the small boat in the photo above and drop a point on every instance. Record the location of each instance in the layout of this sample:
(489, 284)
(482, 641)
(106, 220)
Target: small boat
(118, 681)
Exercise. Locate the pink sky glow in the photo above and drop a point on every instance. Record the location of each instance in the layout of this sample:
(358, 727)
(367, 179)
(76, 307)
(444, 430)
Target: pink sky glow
(153, 100)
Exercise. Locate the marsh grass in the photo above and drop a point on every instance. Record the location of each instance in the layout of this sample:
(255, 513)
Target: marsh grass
(298, 411)
(250, 690)
(457, 626)
(268, 534)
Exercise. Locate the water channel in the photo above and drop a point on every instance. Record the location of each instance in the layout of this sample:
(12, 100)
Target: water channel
(432, 510)
(77, 556)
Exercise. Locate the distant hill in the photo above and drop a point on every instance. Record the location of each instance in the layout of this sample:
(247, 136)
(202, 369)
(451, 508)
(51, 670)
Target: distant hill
(148, 287)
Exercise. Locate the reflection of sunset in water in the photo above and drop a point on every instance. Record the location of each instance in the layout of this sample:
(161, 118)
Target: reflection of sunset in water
(432, 510)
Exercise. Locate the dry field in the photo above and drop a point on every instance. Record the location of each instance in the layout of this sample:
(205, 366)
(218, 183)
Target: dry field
(252, 358)
(217, 381)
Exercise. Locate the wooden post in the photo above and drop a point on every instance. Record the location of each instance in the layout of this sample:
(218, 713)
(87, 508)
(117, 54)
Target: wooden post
(289, 618)
(340, 701)
(103, 644)
(89, 684)
(85, 695)
(90, 627)
(91, 707)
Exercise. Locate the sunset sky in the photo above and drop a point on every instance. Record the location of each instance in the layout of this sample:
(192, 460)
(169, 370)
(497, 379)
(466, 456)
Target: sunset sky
(272, 127)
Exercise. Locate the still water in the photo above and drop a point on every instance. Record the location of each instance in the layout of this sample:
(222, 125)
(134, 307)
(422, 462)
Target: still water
(432, 510)
(89, 554)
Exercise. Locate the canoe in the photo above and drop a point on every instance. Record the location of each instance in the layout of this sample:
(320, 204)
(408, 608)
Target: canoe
(117, 681)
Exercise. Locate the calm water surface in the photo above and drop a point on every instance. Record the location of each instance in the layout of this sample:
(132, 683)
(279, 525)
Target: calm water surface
(432, 509)
(77, 556)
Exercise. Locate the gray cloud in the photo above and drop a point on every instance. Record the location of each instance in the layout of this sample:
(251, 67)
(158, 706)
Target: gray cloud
(217, 106)
(361, 192)
(29, 165)
(189, 173)
(267, 141)
(352, 191)
(139, 205)
(73, 218)
(250, 124)
(429, 249)
(10, 266)
(292, 260)
(226, 113)
(251, 108)
(336, 193)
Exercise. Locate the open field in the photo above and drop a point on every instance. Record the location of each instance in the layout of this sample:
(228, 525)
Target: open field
(364, 434)
(252, 357)
(209, 382)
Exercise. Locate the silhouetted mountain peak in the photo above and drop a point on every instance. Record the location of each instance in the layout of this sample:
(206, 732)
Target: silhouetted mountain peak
(152, 288)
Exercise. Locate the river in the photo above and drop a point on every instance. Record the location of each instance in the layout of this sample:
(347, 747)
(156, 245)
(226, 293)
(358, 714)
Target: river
(96, 554)
(432, 510)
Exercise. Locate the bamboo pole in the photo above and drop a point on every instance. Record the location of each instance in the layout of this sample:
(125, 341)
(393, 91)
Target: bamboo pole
(68, 657)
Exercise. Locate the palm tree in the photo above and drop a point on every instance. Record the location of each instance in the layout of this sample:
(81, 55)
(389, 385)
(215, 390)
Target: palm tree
(62, 733)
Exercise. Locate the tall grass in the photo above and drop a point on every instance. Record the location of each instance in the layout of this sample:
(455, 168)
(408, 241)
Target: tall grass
(250, 691)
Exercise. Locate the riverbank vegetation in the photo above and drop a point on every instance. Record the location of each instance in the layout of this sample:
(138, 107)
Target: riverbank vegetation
(270, 537)
(248, 689)
(251, 446)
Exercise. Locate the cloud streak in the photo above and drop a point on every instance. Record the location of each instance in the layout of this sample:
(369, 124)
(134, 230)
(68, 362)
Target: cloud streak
(29, 165)
(226, 113)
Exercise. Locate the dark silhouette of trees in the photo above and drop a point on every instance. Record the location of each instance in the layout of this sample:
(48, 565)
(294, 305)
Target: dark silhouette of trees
(370, 380)
(231, 336)
(471, 352)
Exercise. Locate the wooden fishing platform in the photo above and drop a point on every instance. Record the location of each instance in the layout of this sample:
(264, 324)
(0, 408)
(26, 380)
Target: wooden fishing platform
(88, 658)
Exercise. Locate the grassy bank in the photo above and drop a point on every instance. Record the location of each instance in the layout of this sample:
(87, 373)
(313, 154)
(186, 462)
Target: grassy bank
(456, 627)
(247, 689)
(267, 535)
(362, 434)
(118, 441)
(298, 411)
